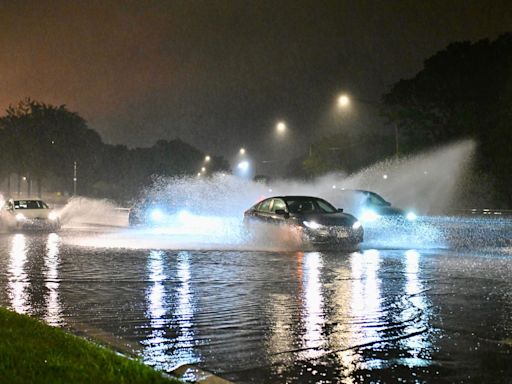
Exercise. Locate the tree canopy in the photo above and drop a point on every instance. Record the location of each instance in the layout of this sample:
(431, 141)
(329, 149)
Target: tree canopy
(463, 91)
(42, 142)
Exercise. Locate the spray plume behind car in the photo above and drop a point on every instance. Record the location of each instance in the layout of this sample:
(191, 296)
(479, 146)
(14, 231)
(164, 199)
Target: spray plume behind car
(220, 200)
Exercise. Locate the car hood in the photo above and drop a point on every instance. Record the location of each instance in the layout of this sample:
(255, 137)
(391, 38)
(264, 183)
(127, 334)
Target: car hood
(330, 219)
(41, 213)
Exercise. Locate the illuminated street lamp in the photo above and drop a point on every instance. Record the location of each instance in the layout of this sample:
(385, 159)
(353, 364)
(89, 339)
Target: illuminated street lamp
(343, 101)
(207, 158)
(243, 166)
(281, 128)
(74, 178)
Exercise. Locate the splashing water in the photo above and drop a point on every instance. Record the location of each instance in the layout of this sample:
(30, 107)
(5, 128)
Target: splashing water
(3, 219)
(86, 212)
(211, 209)
(427, 181)
(220, 196)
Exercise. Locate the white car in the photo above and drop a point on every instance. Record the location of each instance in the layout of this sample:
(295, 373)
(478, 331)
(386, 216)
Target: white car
(31, 214)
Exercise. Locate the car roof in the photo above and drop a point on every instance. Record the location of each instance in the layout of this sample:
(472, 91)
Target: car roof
(362, 191)
(293, 197)
(355, 190)
(28, 200)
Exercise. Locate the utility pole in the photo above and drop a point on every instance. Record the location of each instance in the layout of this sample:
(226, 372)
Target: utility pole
(74, 179)
(396, 140)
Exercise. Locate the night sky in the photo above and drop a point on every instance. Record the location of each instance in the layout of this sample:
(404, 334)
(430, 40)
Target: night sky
(220, 74)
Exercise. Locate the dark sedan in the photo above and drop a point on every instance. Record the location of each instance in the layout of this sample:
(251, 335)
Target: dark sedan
(368, 206)
(320, 223)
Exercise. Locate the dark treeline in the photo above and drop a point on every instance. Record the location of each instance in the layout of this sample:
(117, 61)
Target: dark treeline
(464, 91)
(40, 143)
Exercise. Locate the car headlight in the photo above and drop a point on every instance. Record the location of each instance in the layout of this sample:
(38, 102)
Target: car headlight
(53, 216)
(184, 216)
(356, 225)
(369, 215)
(20, 217)
(312, 224)
(156, 215)
(411, 216)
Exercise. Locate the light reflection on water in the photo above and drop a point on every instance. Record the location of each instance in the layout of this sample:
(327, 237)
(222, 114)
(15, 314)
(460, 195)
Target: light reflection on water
(366, 296)
(361, 318)
(260, 316)
(51, 273)
(184, 312)
(313, 311)
(365, 306)
(299, 319)
(18, 282)
(418, 346)
(156, 295)
(160, 349)
(21, 289)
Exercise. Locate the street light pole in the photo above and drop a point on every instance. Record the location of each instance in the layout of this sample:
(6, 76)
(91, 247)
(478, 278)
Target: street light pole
(396, 140)
(344, 101)
(74, 179)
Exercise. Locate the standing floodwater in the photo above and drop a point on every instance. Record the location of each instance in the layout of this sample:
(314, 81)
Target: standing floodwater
(427, 301)
(435, 314)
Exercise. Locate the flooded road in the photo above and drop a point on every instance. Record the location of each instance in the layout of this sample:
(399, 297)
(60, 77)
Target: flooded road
(437, 313)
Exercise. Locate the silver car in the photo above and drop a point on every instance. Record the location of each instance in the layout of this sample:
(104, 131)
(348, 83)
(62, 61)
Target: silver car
(31, 214)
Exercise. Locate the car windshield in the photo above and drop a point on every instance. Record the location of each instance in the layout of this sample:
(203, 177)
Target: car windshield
(29, 204)
(308, 205)
(149, 202)
(374, 199)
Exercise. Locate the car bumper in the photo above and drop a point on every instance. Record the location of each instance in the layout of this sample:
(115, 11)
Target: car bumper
(334, 235)
(38, 224)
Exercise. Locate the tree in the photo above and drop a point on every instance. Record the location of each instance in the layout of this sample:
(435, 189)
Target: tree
(45, 140)
(463, 91)
(42, 142)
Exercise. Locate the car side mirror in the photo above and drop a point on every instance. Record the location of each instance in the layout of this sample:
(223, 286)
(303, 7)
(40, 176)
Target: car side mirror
(282, 212)
(340, 210)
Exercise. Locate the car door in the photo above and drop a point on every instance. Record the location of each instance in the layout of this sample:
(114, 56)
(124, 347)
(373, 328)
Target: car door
(278, 205)
(265, 211)
(261, 211)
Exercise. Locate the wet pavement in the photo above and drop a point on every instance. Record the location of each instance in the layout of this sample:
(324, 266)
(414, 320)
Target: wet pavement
(441, 312)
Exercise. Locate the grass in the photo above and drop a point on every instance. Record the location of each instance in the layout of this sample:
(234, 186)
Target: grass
(32, 352)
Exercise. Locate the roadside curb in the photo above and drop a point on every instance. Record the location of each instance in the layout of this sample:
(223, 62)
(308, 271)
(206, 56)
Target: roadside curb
(186, 373)
(191, 374)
